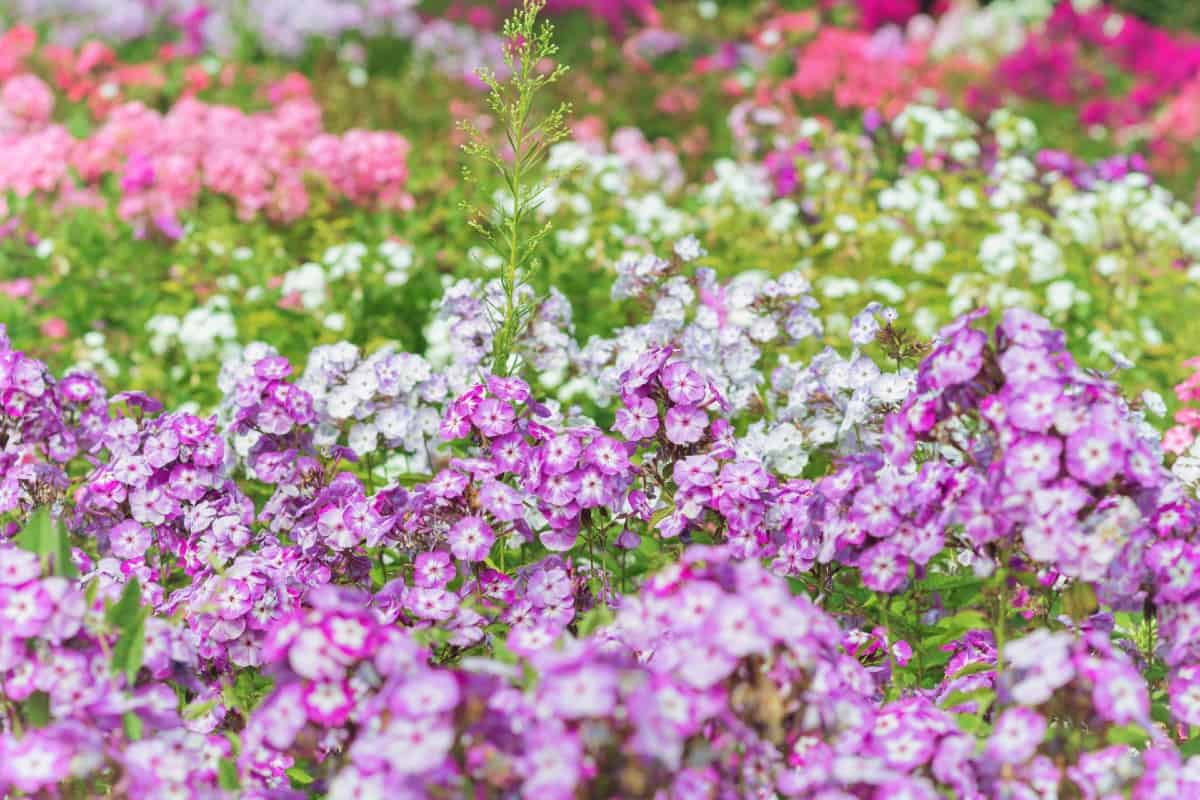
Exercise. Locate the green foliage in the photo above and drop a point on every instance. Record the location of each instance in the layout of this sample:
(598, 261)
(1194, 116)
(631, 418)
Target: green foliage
(46, 537)
(36, 709)
(1170, 14)
(128, 617)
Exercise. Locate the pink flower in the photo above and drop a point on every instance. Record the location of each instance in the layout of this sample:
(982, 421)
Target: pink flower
(685, 424)
(471, 539)
(54, 328)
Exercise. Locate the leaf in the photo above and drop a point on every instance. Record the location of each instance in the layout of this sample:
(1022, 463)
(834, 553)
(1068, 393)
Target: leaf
(133, 726)
(128, 617)
(47, 538)
(974, 669)
(36, 709)
(983, 697)
(300, 776)
(122, 613)
(227, 773)
(248, 690)
(1133, 735)
(193, 711)
(972, 724)
(1079, 601)
(408, 479)
(597, 617)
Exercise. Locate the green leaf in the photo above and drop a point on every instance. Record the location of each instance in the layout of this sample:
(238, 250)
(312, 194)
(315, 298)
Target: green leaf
(1133, 735)
(1190, 747)
(47, 538)
(133, 726)
(1079, 601)
(129, 618)
(122, 613)
(36, 709)
(193, 711)
(972, 724)
(407, 479)
(248, 690)
(974, 669)
(984, 698)
(227, 773)
(597, 617)
(299, 776)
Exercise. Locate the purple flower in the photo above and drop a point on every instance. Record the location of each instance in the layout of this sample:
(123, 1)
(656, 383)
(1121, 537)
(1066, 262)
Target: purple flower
(607, 455)
(509, 452)
(1016, 736)
(432, 569)
(1034, 459)
(129, 539)
(447, 484)
(1032, 405)
(18, 566)
(37, 761)
(637, 419)
(685, 424)
(471, 539)
(493, 417)
(328, 703)
(1094, 454)
(683, 384)
(512, 389)
(697, 470)
(501, 501)
(646, 366)
(957, 361)
(560, 454)
(884, 567)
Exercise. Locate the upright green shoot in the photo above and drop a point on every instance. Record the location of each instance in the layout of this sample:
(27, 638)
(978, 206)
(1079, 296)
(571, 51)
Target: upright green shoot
(510, 229)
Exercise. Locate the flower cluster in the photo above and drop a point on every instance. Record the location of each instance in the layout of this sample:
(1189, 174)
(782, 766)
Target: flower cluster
(163, 162)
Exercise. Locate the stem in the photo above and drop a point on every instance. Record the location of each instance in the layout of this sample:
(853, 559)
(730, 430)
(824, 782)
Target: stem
(887, 645)
(1001, 631)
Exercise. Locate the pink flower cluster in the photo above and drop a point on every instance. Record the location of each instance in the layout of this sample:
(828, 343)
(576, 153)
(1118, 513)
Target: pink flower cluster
(1179, 438)
(164, 162)
(862, 71)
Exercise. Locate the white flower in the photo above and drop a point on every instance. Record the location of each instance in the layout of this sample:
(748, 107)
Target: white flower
(363, 438)
(308, 281)
(688, 249)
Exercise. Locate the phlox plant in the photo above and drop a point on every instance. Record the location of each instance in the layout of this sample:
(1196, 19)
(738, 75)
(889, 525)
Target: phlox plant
(739, 533)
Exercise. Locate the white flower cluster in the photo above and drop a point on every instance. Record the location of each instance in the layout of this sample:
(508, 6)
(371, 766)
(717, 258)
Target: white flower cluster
(720, 328)
(832, 401)
(93, 356)
(938, 130)
(206, 331)
(586, 167)
(388, 396)
(310, 282)
(459, 337)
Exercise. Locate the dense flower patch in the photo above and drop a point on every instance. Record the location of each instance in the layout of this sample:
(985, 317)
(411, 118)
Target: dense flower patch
(785, 420)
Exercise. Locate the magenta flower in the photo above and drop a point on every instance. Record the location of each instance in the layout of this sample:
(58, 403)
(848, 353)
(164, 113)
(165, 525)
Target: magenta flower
(1094, 455)
(685, 424)
(471, 539)
(637, 419)
(1016, 735)
(884, 567)
(607, 455)
(328, 702)
(683, 384)
(561, 454)
(493, 417)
